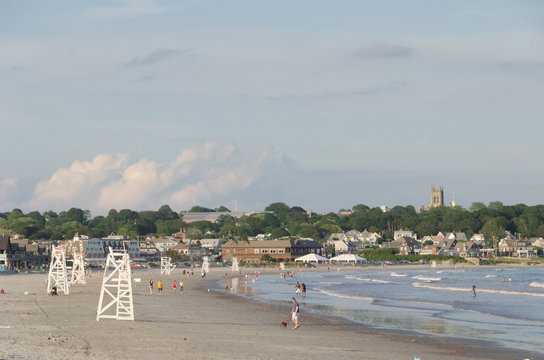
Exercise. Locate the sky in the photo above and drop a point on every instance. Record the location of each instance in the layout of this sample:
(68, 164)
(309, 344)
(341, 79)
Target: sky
(320, 104)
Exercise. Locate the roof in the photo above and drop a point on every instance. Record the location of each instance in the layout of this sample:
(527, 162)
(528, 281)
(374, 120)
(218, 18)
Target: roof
(272, 243)
(4, 243)
(211, 216)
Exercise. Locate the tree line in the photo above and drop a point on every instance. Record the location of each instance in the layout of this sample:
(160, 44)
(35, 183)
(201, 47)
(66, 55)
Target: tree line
(279, 219)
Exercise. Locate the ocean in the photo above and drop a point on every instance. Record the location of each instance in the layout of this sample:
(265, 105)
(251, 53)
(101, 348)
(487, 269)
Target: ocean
(431, 301)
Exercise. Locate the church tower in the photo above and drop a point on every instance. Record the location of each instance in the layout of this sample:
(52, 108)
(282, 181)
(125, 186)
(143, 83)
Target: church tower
(437, 196)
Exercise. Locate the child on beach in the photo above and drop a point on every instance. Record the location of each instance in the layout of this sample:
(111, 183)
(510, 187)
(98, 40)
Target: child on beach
(303, 286)
(174, 286)
(181, 286)
(159, 287)
(151, 287)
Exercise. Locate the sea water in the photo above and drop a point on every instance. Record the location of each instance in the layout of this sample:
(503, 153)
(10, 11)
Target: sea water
(438, 302)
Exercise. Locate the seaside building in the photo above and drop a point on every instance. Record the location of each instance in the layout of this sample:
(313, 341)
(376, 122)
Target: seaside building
(20, 253)
(97, 249)
(284, 250)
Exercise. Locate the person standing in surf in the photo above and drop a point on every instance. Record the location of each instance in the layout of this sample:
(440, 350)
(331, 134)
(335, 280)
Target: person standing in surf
(474, 290)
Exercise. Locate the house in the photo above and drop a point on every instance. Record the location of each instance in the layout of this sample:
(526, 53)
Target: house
(434, 239)
(404, 233)
(97, 249)
(284, 249)
(467, 249)
(477, 237)
(210, 244)
(23, 254)
(406, 245)
(149, 251)
(189, 250)
(447, 244)
(345, 247)
(368, 237)
(537, 242)
(164, 244)
(507, 247)
(524, 248)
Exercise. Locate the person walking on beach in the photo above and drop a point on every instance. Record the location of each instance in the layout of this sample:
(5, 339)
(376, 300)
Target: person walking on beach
(159, 287)
(474, 290)
(151, 287)
(181, 286)
(294, 312)
(303, 286)
(297, 289)
(174, 286)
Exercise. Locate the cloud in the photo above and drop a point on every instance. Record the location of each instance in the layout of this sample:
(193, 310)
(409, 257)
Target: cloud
(383, 50)
(110, 181)
(7, 188)
(154, 57)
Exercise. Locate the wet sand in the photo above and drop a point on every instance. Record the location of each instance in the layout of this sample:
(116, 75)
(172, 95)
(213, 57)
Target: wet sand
(198, 324)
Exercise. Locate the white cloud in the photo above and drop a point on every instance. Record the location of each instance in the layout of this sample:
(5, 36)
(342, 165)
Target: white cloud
(7, 187)
(195, 175)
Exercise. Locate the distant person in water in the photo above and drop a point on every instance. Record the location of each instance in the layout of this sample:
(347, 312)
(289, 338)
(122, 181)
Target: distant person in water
(474, 290)
(303, 286)
(297, 289)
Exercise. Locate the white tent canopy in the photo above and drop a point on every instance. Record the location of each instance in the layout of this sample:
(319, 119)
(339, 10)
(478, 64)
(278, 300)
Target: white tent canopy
(348, 258)
(312, 258)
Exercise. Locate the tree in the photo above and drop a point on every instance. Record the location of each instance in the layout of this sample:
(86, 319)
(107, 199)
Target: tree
(266, 258)
(222, 209)
(165, 213)
(477, 206)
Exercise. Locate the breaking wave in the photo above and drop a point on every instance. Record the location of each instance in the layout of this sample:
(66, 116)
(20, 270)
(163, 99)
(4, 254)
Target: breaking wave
(449, 288)
(423, 278)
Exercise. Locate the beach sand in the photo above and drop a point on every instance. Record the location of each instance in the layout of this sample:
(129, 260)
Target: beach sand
(197, 324)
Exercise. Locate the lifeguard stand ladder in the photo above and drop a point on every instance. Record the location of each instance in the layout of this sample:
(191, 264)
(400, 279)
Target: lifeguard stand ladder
(116, 292)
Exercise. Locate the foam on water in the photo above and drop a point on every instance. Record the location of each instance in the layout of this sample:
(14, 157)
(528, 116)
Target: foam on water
(423, 278)
(449, 288)
(398, 275)
(536, 284)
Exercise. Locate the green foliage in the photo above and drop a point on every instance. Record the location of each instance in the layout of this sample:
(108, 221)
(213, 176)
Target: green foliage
(267, 258)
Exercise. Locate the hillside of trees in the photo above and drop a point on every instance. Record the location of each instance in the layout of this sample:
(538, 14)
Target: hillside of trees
(280, 220)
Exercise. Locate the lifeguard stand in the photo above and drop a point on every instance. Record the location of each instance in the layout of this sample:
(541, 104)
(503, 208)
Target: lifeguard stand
(116, 293)
(57, 270)
(166, 265)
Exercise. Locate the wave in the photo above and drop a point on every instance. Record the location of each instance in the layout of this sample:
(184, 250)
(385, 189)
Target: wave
(423, 278)
(490, 276)
(536, 284)
(330, 293)
(449, 288)
(396, 274)
(381, 281)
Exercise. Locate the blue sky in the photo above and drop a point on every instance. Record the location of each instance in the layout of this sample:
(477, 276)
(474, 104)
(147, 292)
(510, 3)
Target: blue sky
(322, 104)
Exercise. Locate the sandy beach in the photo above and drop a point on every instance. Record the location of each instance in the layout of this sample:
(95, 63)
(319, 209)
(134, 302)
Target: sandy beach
(198, 324)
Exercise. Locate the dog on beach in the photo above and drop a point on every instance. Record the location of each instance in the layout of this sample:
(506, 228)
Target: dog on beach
(283, 325)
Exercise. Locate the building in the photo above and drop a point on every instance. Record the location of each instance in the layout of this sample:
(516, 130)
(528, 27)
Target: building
(188, 250)
(285, 250)
(404, 233)
(22, 253)
(406, 245)
(210, 244)
(97, 249)
(437, 197)
(190, 217)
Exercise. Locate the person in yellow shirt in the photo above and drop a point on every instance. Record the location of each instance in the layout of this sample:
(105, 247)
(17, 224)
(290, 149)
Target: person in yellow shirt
(181, 286)
(159, 286)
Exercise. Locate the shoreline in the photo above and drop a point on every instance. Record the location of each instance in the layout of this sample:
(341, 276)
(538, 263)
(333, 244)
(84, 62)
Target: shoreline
(200, 324)
(461, 346)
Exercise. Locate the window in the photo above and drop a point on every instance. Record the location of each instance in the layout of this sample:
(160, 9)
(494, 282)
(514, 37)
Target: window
(281, 251)
(264, 251)
(256, 251)
(272, 251)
